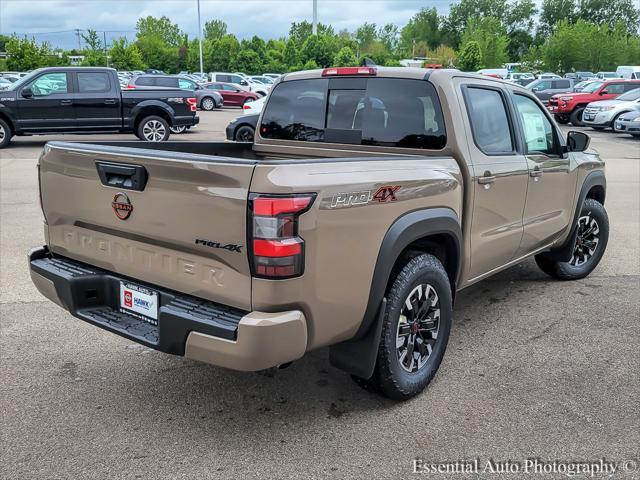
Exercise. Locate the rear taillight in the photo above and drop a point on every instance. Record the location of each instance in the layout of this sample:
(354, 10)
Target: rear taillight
(192, 104)
(336, 72)
(131, 86)
(276, 249)
(246, 106)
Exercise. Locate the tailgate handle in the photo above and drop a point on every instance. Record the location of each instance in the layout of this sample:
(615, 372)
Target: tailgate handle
(118, 175)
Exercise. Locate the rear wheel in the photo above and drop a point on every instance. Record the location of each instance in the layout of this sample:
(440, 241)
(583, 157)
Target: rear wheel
(5, 134)
(590, 244)
(180, 129)
(153, 129)
(244, 134)
(576, 117)
(207, 104)
(415, 329)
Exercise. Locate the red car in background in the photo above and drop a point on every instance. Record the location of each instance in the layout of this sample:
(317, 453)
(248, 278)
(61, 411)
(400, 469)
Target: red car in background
(568, 107)
(232, 94)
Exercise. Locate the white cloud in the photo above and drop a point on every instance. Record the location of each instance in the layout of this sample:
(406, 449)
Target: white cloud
(266, 18)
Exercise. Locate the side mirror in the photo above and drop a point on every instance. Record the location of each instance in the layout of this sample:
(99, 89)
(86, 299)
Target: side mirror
(27, 92)
(577, 141)
(244, 83)
(603, 92)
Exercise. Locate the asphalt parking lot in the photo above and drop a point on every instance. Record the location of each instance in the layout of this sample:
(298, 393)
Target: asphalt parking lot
(535, 368)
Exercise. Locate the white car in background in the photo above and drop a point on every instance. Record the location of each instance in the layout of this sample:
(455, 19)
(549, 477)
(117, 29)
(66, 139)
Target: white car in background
(256, 106)
(547, 76)
(240, 79)
(604, 113)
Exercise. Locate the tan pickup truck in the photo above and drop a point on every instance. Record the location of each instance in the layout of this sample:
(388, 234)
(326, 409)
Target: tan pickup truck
(370, 196)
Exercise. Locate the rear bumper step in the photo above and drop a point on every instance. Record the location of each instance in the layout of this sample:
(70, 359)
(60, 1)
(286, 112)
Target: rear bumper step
(200, 329)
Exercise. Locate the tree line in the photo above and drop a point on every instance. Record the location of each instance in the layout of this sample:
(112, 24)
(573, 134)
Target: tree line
(560, 36)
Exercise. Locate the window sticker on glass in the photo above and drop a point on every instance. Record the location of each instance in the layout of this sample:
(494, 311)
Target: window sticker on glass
(534, 131)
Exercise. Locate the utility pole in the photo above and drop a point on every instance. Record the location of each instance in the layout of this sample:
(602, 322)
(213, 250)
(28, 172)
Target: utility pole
(314, 28)
(78, 35)
(106, 54)
(200, 37)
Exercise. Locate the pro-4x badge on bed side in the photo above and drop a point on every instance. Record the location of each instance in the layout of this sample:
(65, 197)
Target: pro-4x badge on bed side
(386, 194)
(122, 206)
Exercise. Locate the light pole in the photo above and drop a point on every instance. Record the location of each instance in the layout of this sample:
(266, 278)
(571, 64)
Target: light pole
(200, 37)
(314, 27)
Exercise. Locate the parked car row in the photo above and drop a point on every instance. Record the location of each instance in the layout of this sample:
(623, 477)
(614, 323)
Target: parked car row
(9, 78)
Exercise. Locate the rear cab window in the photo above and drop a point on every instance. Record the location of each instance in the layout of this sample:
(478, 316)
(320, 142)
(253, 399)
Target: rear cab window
(167, 82)
(388, 112)
(145, 81)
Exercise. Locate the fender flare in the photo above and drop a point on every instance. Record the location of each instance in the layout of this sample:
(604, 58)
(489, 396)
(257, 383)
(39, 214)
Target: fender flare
(593, 179)
(139, 110)
(358, 355)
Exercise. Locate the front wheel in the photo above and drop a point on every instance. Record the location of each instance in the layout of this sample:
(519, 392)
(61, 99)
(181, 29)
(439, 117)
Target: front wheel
(415, 329)
(5, 134)
(153, 129)
(561, 119)
(590, 244)
(245, 134)
(576, 117)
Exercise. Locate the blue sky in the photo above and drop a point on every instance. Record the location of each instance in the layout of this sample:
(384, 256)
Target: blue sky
(53, 20)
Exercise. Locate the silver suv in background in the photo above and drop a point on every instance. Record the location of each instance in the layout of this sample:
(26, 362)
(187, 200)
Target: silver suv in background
(546, 88)
(605, 113)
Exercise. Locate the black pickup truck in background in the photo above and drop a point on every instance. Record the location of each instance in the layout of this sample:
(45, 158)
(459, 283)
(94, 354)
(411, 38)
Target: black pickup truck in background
(89, 100)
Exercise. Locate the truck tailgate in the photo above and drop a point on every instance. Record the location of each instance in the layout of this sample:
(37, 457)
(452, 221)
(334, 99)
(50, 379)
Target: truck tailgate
(185, 230)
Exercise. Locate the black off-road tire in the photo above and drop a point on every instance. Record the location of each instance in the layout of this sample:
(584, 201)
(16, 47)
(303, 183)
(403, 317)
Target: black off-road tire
(576, 117)
(390, 377)
(561, 119)
(5, 134)
(571, 270)
(153, 120)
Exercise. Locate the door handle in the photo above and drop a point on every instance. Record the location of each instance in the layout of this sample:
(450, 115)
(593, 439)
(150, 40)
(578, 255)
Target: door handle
(487, 178)
(66, 102)
(535, 173)
(110, 101)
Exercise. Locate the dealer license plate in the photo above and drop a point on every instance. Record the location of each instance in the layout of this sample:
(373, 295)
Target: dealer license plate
(139, 302)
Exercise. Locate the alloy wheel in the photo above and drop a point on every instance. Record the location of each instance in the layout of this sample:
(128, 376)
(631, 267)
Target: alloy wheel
(154, 131)
(2, 133)
(587, 240)
(418, 327)
(207, 104)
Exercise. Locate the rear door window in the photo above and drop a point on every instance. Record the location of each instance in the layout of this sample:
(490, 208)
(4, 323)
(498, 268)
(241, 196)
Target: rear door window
(489, 120)
(376, 111)
(93, 82)
(557, 84)
(631, 86)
